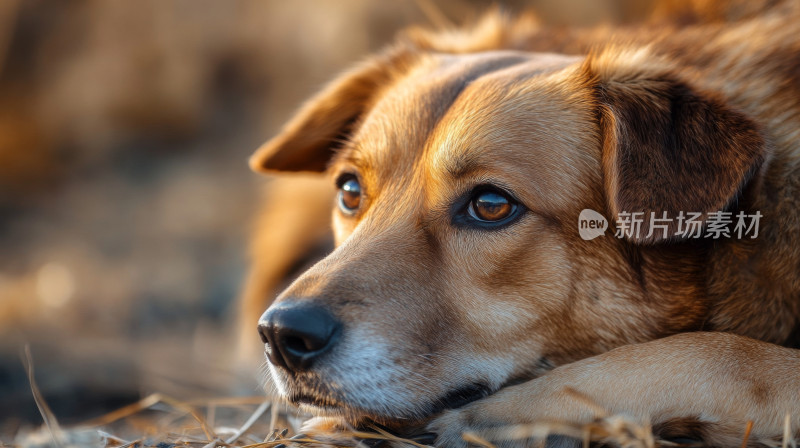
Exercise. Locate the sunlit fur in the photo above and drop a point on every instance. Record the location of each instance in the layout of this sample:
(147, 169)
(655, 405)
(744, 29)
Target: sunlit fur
(563, 120)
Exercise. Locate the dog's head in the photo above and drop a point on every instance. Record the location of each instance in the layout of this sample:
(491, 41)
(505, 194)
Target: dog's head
(459, 268)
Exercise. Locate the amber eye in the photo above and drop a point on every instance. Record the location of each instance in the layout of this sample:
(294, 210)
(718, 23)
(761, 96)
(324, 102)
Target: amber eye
(349, 195)
(491, 206)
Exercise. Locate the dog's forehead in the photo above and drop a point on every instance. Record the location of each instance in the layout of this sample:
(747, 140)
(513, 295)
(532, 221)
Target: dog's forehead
(400, 126)
(518, 113)
(534, 120)
(393, 132)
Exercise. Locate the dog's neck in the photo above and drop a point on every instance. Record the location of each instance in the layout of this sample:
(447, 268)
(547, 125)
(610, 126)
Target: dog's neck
(754, 284)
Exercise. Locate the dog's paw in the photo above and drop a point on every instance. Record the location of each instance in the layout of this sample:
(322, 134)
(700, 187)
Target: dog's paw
(456, 428)
(323, 425)
(469, 427)
(331, 430)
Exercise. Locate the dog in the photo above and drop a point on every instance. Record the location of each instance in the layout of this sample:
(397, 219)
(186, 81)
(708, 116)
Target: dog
(462, 295)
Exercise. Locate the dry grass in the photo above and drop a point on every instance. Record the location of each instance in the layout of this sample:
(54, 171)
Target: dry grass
(163, 422)
(159, 421)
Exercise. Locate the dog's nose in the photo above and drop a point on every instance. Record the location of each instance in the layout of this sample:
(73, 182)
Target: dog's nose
(297, 335)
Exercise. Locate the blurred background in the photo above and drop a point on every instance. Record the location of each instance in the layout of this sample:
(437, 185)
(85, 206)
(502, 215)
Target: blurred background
(126, 203)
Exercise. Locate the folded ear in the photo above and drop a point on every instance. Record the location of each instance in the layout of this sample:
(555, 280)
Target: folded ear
(669, 147)
(307, 142)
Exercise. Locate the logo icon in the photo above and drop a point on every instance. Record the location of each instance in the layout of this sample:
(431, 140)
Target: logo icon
(591, 224)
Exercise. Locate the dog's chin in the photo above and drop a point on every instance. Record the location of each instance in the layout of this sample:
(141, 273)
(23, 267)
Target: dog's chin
(414, 416)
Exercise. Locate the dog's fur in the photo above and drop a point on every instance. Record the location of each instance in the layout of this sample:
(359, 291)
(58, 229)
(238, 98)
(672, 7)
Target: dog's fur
(698, 116)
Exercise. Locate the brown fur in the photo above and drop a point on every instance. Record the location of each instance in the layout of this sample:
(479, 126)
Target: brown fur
(656, 118)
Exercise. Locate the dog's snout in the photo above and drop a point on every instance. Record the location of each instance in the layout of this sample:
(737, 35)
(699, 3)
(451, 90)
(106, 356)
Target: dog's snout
(297, 335)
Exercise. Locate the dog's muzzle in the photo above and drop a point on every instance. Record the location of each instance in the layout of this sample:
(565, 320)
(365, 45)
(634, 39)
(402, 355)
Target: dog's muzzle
(296, 335)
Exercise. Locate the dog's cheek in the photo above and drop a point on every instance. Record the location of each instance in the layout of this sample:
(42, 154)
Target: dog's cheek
(342, 228)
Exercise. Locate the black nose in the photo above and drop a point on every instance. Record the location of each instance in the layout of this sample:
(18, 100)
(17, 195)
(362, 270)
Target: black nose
(296, 335)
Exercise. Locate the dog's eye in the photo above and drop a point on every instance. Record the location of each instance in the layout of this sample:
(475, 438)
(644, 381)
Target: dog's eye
(349, 194)
(491, 206)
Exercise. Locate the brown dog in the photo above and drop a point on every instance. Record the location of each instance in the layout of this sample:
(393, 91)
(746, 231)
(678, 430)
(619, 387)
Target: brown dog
(461, 294)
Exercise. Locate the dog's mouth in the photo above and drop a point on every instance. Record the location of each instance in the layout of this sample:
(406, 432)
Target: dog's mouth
(324, 403)
(323, 397)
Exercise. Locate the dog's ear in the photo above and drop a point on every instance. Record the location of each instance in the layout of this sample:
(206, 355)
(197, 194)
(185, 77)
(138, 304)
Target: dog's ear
(669, 147)
(307, 142)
